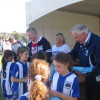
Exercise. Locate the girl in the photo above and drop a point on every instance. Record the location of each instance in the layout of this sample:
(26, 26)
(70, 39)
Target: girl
(7, 66)
(20, 73)
(60, 46)
(65, 84)
(38, 73)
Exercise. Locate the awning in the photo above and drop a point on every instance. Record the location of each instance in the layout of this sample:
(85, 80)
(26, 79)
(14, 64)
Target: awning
(38, 8)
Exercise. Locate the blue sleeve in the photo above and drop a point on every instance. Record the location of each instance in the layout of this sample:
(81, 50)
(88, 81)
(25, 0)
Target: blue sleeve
(75, 88)
(12, 66)
(96, 70)
(15, 71)
(23, 98)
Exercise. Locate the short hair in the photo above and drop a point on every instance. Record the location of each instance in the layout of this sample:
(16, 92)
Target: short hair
(31, 29)
(11, 38)
(79, 28)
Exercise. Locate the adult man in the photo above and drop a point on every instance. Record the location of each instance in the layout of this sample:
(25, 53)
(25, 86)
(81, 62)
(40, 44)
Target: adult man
(88, 43)
(15, 44)
(38, 43)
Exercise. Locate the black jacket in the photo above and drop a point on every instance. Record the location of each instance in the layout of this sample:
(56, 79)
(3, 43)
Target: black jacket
(43, 45)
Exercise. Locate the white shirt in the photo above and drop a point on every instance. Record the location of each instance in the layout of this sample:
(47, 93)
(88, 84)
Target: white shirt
(7, 47)
(15, 47)
(88, 38)
(64, 48)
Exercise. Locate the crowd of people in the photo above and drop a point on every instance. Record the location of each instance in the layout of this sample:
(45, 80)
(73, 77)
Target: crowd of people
(41, 72)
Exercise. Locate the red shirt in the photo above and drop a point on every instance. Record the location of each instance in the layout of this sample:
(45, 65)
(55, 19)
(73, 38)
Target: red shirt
(34, 48)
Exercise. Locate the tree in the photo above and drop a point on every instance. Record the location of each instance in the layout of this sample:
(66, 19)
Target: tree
(17, 36)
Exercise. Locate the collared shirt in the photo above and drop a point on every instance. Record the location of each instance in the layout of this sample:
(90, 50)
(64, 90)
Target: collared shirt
(35, 47)
(87, 39)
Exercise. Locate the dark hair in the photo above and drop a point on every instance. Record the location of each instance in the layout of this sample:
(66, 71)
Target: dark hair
(6, 55)
(11, 38)
(31, 29)
(21, 50)
(40, 55)
(62, 36)
(63, 58)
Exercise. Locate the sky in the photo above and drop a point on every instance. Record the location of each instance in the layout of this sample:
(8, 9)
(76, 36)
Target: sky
(12, 15)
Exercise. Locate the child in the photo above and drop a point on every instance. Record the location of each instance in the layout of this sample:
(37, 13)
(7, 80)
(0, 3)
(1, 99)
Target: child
(7, 66)
(20, 73)
(40, 55)
(43, 56)
(52, 71)
(38, 73)
(65, 84)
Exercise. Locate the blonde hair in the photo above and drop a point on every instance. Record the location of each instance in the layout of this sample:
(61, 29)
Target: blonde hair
(38, 90)
(60, 35)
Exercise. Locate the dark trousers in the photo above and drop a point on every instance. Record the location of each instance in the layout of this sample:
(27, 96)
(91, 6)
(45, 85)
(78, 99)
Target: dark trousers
(92, 90)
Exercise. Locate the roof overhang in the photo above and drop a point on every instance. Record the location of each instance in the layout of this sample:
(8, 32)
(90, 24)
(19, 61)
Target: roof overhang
(90, 7)
(38, 8)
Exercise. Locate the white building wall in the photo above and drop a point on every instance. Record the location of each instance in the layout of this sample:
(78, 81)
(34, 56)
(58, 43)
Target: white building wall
(58, 21)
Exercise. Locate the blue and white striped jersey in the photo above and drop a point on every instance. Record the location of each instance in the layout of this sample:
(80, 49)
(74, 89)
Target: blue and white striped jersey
(6, 79)
(67, 84)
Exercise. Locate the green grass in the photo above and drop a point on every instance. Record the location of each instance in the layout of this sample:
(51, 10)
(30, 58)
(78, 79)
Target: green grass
(1, 96)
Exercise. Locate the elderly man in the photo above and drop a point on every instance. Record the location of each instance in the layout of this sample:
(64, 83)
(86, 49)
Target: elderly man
(87, 43)
(38, 43)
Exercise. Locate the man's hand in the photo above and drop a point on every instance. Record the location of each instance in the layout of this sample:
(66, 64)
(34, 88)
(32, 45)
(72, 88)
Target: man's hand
(80, 76)
(77, 73)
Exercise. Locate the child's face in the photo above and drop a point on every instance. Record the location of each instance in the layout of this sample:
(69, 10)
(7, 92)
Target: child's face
(10, 58)
(61, 68)
(25, 55)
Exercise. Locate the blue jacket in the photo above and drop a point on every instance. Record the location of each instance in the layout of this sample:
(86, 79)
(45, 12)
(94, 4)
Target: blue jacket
(82, 52)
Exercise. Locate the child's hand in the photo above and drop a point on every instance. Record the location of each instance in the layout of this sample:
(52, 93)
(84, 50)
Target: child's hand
(24, 79)
(53, 93)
